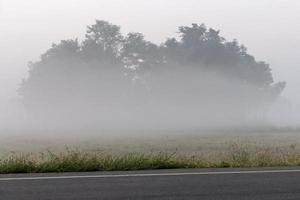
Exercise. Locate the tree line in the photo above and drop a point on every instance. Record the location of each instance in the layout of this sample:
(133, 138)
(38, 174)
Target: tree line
(110, 69)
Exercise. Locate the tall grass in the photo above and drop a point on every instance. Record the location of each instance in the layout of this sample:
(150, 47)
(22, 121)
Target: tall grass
(76, 160)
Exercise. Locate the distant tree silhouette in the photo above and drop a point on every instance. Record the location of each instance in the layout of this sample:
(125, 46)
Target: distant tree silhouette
(73, 72)
(206, 48)
(106, 68)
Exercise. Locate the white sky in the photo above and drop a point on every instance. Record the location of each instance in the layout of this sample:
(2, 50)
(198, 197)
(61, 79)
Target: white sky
(269, 28)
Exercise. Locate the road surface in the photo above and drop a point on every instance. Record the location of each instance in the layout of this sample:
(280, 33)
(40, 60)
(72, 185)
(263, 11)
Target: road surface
(203, 184)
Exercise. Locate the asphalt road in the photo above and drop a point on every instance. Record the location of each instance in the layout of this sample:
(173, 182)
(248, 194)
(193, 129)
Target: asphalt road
(205, 184)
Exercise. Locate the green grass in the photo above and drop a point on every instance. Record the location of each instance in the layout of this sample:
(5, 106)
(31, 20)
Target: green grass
(75, 160)
(28, 152)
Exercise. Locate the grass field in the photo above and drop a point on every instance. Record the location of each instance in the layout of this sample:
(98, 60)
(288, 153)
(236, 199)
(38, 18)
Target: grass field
(68, 151)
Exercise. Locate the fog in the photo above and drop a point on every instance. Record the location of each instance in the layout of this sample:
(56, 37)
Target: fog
(177, 96)
(184, 99)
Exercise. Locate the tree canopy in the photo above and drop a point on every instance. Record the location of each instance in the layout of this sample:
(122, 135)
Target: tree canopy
(108, 69)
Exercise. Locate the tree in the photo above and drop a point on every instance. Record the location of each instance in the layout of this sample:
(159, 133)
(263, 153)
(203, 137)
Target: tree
(205, 48)
(70, 72)
(107, 71)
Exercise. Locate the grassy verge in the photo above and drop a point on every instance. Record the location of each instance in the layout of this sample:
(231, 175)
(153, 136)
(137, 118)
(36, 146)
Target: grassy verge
(75, 160)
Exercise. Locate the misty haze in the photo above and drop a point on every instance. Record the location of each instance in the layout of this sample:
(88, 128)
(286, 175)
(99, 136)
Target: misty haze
(115, 81)
(137, 85)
